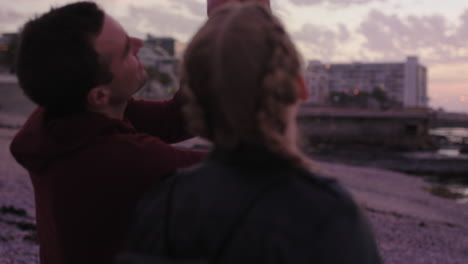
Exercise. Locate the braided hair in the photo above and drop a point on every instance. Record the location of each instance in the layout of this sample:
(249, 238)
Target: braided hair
(240, 74)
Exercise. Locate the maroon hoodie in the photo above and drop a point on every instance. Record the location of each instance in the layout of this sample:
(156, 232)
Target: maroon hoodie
(88, 171)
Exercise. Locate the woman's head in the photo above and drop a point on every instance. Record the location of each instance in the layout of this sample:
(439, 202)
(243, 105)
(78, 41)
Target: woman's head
(241, 73)
(212, 5)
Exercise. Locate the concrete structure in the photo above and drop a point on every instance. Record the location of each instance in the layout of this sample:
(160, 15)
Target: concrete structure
(12, 99)
(444, 119)
(404, 82)
(390, 129)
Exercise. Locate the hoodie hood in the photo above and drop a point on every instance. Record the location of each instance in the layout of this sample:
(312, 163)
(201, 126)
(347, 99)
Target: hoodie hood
(41, 141)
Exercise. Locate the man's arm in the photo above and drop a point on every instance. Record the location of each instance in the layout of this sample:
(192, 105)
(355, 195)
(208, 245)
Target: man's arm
(138, 160)
(159, 157)
(162, 119)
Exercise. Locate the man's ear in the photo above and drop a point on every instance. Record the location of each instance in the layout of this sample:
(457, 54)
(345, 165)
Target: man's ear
(98, 97)
(303, 90)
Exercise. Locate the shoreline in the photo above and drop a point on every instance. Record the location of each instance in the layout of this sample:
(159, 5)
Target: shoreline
(427, 164)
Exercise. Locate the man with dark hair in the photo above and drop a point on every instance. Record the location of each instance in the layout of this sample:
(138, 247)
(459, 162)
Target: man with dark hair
(84, 146)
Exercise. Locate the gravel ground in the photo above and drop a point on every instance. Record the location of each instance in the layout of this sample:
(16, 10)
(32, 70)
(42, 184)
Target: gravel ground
(410, 225)
(18, 243)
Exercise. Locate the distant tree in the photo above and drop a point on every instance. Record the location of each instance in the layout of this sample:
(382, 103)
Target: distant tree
(379, 94)
(342, 99)
(384, 100)
(361, 99)
(152, 73)
(338, 99)
(164, 78)
(160, 85)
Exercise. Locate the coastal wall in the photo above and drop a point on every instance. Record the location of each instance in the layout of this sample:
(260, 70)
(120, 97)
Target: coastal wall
(12, 98)
(394, 130)
(450, 120)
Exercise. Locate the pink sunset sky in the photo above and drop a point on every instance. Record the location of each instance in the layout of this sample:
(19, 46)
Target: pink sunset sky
(326, 30)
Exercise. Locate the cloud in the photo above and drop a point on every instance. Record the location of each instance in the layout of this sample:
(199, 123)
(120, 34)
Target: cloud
(160, 22)
(7, 15)
(322, 41)
(333, 2)
(178, 19)
(9, 19)
(196, 8)
(461, 37)
(391, 36)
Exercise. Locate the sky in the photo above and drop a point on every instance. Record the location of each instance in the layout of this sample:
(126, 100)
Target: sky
(327, 30)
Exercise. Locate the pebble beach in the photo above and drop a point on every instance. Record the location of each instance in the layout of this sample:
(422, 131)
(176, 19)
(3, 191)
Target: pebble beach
(410, 224)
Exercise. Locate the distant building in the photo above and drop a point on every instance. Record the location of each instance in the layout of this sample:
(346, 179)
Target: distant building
(164, 44)
(162, 69)
(316, 78)
(152, 57)
(404, 82)
(7, 50)
(6, 39)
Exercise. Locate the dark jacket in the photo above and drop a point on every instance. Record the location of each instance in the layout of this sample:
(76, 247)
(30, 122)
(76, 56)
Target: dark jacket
(249, 206)
(88, 171)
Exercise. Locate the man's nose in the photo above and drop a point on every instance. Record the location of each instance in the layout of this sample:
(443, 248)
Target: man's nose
(137, 43)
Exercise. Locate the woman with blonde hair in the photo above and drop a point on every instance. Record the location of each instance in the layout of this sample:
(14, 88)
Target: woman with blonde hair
(256, 199)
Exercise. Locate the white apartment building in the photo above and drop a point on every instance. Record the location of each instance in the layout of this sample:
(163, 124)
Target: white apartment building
(404, 82)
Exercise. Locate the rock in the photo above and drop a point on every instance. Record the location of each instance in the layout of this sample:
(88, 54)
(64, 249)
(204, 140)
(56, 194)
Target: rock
(12, 210)
(464, 149)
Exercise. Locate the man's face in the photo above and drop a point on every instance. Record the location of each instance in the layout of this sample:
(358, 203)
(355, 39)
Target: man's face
(213, 4)
(120, 53)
